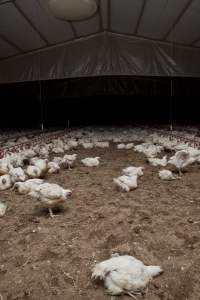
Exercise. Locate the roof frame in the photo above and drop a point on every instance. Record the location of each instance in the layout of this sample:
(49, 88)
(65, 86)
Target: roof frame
(140, 17)
(13, 45)
(183, 11)
(43, 38)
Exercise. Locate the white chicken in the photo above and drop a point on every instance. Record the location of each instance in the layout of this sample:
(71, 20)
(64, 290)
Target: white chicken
(121, 146)
(27, 186)
(91, 161)
(181, 160)
(125, 275)
(102, 144)
(4, 166)
(130, 171)
(3, 208)
(33, 172)
(167, 175)
(57, 160)
(129, 146)
(50, 195)
(5, 182)
(58, 150)
(68, 160)
(53, 167)
(42, 164)
(126, 183)
(158, 161)
(72, 144)
(87, 145)
(17, 174)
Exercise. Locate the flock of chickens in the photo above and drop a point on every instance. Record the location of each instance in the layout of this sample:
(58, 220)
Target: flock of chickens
(24, 172)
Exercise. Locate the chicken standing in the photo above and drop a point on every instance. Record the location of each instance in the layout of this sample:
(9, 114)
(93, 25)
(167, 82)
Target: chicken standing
(181, 160)
(50, 195)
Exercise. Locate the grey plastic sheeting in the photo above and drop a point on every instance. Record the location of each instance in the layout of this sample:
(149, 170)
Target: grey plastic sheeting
(102, 55)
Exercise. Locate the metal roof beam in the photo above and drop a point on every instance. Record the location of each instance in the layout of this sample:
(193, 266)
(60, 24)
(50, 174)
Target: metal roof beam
(140, 17)
(195, 41)
(73, 29)
(30, 23)
(5, 39)
(109, 15)
(183, 11)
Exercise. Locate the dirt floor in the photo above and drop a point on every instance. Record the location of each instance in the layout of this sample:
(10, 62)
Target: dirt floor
(43, 258)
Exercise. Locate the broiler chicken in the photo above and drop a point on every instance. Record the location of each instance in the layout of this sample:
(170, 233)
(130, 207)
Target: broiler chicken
(50, 195)
(17, 174)
(130, 171)
(158, 161)
(181, 160)
(126, 183)
(125, 275)
(167, 175)
(27, 186)
(33, 172)
(91, 161)
(68, 160)
(53, 167)
(5, 182)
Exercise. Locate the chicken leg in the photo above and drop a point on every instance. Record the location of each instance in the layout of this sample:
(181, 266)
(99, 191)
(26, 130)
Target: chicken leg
(51, 212)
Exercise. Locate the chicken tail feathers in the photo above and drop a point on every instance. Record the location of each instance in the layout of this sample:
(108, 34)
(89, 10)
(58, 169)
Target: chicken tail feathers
(98, 272)
(154, 270)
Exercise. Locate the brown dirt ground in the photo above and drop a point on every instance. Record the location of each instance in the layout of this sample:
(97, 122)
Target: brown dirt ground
(43, 258)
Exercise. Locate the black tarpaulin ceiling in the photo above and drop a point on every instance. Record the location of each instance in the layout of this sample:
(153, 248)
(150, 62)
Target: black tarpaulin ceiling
(125, 37)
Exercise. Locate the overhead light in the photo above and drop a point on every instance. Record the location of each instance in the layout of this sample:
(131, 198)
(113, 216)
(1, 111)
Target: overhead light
(73, 10)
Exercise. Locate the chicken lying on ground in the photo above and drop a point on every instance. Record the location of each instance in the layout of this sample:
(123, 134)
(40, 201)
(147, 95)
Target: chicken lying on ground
(27, 186)
(121, 146)
(181, 160)
(167, 175)
(91, 161)
(125, 275)
(17, 174)
(102, 144)
(130, 171)
(3, 208)
(5, 182)
(50, 195)
(158, 161)
(33, 172)
(126, 183)
(53, 167)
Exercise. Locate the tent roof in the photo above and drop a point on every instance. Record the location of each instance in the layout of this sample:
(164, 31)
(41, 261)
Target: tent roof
(27, 25)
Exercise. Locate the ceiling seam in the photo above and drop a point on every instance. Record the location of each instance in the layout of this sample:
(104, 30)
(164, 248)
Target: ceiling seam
(52, 46)
(195, 41)
(73, 29)
(30, 23)
(109, 15)
(13, 45)
(130, 35)
(5, 2)
(183, 11)
(100, 17)
(140, 17)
